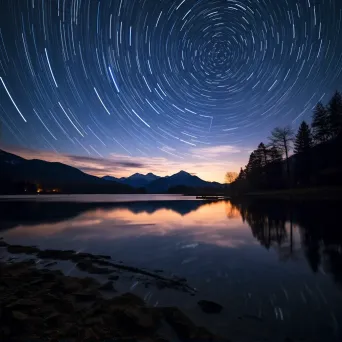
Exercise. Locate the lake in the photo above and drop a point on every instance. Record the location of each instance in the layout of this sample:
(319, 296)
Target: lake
(275, 267)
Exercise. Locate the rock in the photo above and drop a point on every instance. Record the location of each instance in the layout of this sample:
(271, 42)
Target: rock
(85, 296)
(36, 281)
(127, 299)
(22, 303)
(107, 286)
(179, 279)
(53, 317)
(83, 255)
(87, 266)
(94, 320)
(56, 254)
(20, 316)
(254, 317)
(49, 264)
(3, 244)
(16, 249)
(210, 307)
(140, 318)
(49, 276)
(88, 282)
(89, 335)
(107, 257)
(102, 262)
(41, 304)
(5, 331)
(161, 284)
(183, 326)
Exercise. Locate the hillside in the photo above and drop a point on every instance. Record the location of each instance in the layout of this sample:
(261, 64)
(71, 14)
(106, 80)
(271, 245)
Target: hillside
(64, 178)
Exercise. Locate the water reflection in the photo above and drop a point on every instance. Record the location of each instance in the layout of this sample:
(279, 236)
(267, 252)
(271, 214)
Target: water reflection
(289, 229)
(273, 224)
(194, 220)
(274, 259)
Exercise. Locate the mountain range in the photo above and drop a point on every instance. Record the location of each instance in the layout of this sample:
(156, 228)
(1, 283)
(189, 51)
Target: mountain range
(65, 178)
(15, 169)
(156, 184)
(136, 180)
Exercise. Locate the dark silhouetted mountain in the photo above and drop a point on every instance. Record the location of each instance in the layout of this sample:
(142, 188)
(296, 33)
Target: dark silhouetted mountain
(137, 180)
(156, 184)
(14, 169)
(181, 178)
(112, 179)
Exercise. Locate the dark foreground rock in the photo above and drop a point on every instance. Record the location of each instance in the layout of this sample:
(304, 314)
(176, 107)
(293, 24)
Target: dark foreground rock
(210, 307)
(98, 264)
(45, 305)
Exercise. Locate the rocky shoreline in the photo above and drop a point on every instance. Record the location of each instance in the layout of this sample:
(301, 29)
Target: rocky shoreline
(46, 305)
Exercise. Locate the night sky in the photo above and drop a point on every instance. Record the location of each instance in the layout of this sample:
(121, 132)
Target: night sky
(123, 86)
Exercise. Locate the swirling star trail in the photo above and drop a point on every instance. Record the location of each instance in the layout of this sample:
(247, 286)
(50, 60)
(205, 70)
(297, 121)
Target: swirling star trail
(169, 80)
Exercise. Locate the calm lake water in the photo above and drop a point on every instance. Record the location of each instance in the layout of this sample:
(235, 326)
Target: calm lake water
(276, 267)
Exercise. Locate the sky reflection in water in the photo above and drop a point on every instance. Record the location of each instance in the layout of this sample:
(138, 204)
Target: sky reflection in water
(269, 260)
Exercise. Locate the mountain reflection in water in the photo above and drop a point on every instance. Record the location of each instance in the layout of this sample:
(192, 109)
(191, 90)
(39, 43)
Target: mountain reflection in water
(277, 259)
(289, 228)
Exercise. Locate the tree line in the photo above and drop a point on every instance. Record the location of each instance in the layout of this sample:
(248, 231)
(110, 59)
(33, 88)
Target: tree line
(310, 157)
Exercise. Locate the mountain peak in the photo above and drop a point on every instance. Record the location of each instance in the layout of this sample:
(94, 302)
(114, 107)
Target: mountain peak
(183, 173)
(135, 175)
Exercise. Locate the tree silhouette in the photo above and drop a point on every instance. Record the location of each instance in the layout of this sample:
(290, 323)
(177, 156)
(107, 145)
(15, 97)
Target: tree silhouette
(252, 164)
(230, 177)
(281, 139)
(275, 154)
(242, 174)
(303, 141)
(321, 124)
(335, 114)
(302, 147)
(317, 159)
(263, 154)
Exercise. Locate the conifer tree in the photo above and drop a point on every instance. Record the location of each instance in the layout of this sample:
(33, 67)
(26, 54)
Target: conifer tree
(335, 114)
(321, 124)
(303, 141)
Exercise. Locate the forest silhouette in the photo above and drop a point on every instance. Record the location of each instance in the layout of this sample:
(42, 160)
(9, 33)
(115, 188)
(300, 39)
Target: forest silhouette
(316, 160)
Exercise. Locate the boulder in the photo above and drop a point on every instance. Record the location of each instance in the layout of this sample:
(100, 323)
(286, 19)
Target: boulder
(108, 286)
(210, 307)
(183, 326)
(113, 277)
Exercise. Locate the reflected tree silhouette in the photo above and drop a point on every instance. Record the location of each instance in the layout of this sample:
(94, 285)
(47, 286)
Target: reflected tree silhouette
(273, 224)
(267, 227)
(231, 210)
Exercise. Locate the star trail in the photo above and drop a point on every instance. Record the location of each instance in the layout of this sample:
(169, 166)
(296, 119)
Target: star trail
(162, 78)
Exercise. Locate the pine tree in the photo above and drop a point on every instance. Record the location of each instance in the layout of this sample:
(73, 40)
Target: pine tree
(252, 164)
(321, 124)
(275, 154)
(335, 114)
(303, 141)
(262, 153)
(242, 174)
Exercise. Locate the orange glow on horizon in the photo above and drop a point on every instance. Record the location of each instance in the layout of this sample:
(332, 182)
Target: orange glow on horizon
(209, 168)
